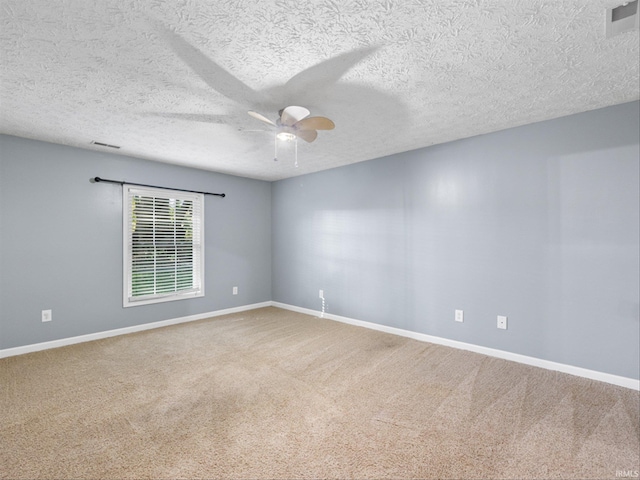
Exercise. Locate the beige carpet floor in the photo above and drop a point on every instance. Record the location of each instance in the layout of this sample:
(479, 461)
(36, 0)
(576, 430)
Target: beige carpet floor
(275, 394)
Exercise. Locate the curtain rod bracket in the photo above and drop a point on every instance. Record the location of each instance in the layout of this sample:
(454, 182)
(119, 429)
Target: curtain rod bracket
(119, 182)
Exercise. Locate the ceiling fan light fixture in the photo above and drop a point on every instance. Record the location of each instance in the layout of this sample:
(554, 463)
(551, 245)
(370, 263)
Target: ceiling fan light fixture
(294, 123)
(286, 136)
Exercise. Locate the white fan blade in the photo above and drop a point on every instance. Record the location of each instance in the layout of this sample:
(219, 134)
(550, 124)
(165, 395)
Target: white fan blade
(307, 135)
(260, 117)
(315, 123)
(293, 114)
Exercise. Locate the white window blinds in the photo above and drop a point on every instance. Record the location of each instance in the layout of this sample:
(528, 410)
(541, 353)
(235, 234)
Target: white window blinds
(163, 245)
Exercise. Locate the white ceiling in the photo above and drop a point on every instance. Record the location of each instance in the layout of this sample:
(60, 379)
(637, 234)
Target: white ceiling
(172, 80)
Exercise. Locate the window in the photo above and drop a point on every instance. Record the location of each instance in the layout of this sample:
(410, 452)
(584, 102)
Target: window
(163, 245)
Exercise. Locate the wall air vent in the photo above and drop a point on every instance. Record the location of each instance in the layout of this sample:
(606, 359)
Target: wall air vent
(100, 144)
(622, 19)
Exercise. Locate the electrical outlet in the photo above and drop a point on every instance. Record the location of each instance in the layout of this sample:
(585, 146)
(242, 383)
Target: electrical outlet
(502, 322)
(46, 316)
(321, 294)
(235, 290)
(459, 316)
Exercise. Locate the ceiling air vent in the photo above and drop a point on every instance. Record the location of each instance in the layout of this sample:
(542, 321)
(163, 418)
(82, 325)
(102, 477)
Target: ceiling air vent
(100, 144)
(622, 19)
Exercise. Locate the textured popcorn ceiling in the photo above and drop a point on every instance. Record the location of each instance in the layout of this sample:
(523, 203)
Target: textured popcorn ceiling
(172, 80)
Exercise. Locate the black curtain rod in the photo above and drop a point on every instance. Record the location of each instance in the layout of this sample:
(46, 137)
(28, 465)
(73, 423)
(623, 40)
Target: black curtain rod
(98, 180)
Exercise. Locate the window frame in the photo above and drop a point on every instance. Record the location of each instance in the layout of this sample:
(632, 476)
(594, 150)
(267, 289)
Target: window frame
(128, 192)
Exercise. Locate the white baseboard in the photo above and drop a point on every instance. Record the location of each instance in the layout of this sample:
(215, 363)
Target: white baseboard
(514, 357)
(10, 352)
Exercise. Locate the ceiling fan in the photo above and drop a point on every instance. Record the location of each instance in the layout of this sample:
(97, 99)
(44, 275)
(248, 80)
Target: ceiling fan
(294, 122)
(311, 84)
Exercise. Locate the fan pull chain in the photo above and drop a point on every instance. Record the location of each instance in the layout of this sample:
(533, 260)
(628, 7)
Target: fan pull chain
(296, 140)
(275, 148)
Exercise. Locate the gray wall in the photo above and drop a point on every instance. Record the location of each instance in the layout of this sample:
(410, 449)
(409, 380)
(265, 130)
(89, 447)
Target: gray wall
(539, 223)
(61, 241)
